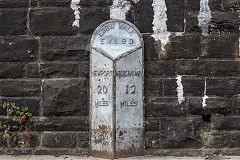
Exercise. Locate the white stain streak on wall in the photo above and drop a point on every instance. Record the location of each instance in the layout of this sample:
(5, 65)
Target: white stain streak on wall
(205, 97)
(204, 17)
(120, 8)
(75, 6)
(159, 22)
(239, 37)
(181, 99)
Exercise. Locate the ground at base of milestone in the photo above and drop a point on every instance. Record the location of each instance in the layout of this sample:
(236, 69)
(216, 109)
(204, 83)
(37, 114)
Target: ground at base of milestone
(33, 157)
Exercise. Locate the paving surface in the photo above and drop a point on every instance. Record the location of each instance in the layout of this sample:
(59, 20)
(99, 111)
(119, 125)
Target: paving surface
(92, 158)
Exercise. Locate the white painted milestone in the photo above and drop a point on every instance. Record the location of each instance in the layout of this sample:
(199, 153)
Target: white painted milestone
(116, 95)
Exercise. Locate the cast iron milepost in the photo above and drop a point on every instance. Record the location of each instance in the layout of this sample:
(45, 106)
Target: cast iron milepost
(116, 91)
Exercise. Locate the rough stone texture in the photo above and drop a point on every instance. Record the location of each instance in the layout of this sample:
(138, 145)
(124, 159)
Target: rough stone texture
(44, 64)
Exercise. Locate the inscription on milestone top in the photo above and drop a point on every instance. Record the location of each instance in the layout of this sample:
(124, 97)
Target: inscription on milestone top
(115, 39)
(116, 96)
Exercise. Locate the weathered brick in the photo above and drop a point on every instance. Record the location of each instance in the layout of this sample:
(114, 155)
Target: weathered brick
(150, 51)
(34, 141)
(157, 107)
(216, 5)
(224, 46)
(192, 5)
(170, 87)
(175, 15)
(11, 70)
(224, 22)
(65, 97)
(159, 68)
(59, 21)
(13, 21)
(59, 140)
(19, 88)
(65, 48)
(62, 124)
(84, 69)
(54, 3)
(191, 25)
(144, 16)
(223, 86)
(13, 3)
(59, 70)
(184, 47)
(18, 49)
(193, 67)
(214, 105)
(98, 16)
(181, 132)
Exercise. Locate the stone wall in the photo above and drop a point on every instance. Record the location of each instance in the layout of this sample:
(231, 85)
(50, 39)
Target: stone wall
(192, 69)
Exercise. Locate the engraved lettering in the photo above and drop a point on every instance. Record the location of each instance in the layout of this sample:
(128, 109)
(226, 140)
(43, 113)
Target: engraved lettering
(102, 41)
(106, 28)
(131, 103)
(101, 103)
(102, 89)
(126, 28)
(102, 73)
(128, 73)
(130, 89)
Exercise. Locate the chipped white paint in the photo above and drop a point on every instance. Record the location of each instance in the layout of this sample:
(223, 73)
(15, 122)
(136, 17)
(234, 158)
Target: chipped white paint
(160, 22)
(181, 99)
(120, 8)
(75, 6)
(205, 97)
(204, 17)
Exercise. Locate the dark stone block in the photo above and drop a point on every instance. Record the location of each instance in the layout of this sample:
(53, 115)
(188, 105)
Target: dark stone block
(59, 21)
(224, 22)
(13, 3)
(59, 140)
(175, 15)
(98, 16)
(152, 124)
(223, 86)
(224, 139)
(59, 70)
(33, 70)
(11, 70)
(217, 105)
(193, 86)
(65, 97)
(216, 5)
(83, 139)
(18, 49)
(62, 124)
(231, 5)
(150, 51)
(170, 87)
(13, 21)
(184, 47)
(158, 107)
(196, 67)
(181, 132)
(157, 69)
(225, 46)
(34, 3)
(54, 3)
(84, 69)
(227, 123)
(65, 48)
(153, 87)
(192, 5)
(19, 88)
(152, 140)
(191, 25)
(144, 16)
(34, 141)
(225, 68)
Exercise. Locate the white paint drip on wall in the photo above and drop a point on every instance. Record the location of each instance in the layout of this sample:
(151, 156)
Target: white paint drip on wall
(205, 97)
(75, 6)
(239, 38)
(120, 8)
(160, 22)
(204, 17)
(181, 98)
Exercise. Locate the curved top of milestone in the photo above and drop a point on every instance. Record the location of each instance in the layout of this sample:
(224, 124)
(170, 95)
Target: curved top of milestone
(116, 38)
